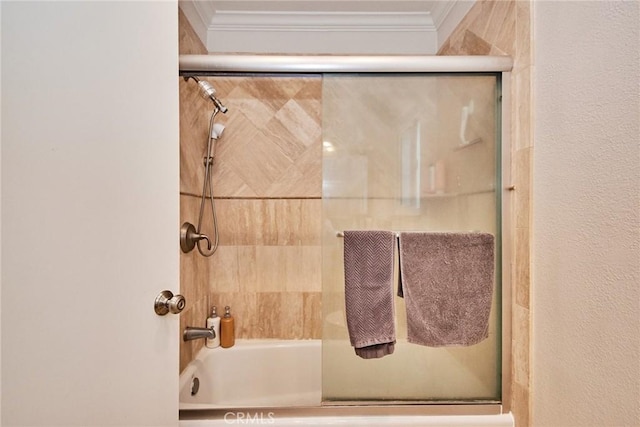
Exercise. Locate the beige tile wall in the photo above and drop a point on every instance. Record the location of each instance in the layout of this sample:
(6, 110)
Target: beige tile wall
(267, 183)
(256, 187)
(504, 28)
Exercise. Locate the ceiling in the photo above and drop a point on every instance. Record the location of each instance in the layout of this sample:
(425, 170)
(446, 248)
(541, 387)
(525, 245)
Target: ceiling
(324, 26)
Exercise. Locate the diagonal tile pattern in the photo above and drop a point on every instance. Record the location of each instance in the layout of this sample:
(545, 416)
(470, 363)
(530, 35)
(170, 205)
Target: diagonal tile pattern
(273, 128)
(267, 181)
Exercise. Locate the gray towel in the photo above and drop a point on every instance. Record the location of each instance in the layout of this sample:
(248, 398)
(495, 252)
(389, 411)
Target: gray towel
(368, 274)
(447, 281)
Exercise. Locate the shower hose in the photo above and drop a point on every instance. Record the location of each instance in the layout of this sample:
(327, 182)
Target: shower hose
(207, 191)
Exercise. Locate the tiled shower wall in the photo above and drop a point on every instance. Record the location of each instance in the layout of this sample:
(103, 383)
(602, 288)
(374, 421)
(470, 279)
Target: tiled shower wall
(490, 28)
(267, 184)
(504, 28)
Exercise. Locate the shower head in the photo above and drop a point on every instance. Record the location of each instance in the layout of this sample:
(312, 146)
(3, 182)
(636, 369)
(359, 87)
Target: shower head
(208, 92)
(217, 130)
(216, 133)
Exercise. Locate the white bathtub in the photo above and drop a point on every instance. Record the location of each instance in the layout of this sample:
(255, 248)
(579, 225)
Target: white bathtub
(278, 383)
(254, 373)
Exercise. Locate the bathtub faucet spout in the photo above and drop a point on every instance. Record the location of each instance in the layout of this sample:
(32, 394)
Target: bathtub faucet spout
(191, 333)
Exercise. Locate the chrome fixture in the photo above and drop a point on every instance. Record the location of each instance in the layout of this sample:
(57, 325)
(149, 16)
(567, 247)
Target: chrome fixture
(343, 63)
(190, 333)
(166, 302)
(190, 236)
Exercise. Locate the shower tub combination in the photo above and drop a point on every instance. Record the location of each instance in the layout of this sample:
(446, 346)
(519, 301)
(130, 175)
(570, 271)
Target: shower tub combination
(278, 382)
(282, 383)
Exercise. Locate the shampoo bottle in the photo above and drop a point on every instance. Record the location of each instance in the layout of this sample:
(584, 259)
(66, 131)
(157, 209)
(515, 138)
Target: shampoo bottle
(227, 329)
(213, 322)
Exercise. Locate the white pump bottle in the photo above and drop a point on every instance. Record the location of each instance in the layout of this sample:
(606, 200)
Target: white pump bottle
(213, 322)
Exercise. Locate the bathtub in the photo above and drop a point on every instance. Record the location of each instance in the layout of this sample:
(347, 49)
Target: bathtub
(278, 383)
(253, 374)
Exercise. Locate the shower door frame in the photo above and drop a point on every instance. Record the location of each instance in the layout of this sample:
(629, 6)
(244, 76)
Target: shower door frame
(319, 64)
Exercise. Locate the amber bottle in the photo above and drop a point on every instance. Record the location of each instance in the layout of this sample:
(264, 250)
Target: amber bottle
(227, 329)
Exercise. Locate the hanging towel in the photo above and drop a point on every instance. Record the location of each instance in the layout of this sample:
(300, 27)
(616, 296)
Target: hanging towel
(447, 281)
(368, 273)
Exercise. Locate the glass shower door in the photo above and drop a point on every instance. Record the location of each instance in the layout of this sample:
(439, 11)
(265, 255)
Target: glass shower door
(408, 153)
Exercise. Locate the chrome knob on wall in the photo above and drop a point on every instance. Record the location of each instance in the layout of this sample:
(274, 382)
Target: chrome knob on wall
(166, 302)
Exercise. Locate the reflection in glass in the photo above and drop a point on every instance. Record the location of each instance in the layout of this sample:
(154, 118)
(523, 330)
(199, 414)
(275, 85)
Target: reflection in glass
(399, 163)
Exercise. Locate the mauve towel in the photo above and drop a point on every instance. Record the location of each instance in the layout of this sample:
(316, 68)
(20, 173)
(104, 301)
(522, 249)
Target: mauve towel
(368, 274)
(447, 281)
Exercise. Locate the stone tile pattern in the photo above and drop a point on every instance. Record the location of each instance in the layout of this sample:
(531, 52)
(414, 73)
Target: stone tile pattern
(267, 184)
(504, 28)
(491, 27)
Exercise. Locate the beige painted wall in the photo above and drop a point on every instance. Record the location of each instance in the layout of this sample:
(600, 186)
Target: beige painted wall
(586, 220)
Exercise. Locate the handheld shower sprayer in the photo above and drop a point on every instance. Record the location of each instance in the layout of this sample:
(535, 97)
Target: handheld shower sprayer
(216, 133)
(191, 236)
(208, 92)
(217, 130)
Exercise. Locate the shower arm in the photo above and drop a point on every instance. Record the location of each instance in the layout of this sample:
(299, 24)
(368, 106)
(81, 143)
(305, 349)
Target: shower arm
(209, 92)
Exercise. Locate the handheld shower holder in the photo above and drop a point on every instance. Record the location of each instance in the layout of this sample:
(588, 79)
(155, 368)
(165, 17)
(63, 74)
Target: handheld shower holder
(189, 237)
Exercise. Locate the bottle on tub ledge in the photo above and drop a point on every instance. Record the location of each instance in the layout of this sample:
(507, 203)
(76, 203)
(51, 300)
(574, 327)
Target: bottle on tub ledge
(227, 329)
(213, 322)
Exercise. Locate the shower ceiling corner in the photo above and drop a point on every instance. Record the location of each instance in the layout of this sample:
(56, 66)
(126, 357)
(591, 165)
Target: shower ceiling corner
(409, 27)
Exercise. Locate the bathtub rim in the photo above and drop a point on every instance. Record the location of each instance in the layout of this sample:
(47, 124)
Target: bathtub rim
(451, 408)
(185, 377)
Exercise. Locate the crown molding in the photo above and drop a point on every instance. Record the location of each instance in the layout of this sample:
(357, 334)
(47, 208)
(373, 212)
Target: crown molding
(198, 20)
(321, 21)
(447, 15)
(324, 26)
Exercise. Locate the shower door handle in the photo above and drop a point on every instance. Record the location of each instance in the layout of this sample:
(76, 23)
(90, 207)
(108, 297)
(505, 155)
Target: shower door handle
(166, 302)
